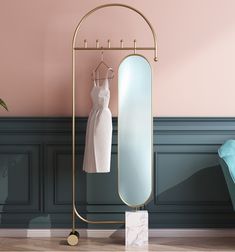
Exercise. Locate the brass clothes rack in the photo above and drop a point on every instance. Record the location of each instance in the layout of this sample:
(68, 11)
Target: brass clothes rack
(74, 235)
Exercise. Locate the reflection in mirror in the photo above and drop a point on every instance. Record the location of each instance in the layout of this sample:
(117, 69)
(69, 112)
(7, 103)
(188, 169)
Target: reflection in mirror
(134, 130)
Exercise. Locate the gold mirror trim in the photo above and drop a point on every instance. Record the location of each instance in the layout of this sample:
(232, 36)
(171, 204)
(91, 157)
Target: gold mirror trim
(151, 193)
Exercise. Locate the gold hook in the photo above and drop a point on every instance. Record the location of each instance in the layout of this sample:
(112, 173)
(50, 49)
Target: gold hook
(135, 46)
(85, 43)
(121, 43)
(97, 43)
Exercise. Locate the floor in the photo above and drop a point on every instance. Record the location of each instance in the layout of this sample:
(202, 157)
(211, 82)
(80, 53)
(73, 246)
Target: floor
(117, 244)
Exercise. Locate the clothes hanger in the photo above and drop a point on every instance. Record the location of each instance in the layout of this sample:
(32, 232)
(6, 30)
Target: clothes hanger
(99, 65)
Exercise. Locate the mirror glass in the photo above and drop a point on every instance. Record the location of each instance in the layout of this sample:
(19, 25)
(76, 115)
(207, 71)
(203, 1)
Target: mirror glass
(134, 130)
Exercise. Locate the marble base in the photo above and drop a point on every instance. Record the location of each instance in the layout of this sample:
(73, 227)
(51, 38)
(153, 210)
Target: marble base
(136, 233)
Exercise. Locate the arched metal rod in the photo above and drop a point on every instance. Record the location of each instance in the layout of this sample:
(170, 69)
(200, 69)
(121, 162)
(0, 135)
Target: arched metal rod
(118, 5)
(75, 212)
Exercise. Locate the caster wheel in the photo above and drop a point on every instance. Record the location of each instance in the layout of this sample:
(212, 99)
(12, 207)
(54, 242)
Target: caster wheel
(73, 238)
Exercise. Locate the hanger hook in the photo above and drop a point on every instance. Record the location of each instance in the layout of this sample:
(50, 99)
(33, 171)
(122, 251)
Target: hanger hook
(102, 55)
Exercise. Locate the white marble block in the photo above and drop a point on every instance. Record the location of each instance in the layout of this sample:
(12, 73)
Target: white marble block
(136, 228)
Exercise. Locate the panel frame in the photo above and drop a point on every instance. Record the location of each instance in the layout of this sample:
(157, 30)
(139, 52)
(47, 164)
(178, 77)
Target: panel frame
(33, 153)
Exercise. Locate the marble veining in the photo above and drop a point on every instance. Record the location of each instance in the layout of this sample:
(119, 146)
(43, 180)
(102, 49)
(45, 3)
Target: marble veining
(136, 233)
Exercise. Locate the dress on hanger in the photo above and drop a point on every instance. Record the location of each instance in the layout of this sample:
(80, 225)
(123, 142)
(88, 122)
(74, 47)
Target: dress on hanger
(97, 155)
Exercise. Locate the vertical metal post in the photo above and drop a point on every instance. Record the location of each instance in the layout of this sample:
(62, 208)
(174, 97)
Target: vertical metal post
(73, 140)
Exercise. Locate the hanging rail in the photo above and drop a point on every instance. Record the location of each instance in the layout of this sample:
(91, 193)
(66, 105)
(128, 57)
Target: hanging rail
(114, 48)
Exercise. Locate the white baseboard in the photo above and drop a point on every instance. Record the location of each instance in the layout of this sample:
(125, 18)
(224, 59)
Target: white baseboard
(105, 233)
(95, 233)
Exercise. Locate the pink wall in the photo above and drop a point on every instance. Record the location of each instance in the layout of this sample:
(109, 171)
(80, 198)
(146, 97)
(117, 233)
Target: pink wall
(194, 76)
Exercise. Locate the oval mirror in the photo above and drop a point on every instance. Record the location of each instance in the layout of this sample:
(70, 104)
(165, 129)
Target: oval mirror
(134, 130)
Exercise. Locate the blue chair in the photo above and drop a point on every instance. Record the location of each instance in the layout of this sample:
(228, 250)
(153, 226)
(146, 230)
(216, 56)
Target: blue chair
(227, 161)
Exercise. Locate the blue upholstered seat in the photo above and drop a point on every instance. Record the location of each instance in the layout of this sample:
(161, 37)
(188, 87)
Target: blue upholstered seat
(227, 161)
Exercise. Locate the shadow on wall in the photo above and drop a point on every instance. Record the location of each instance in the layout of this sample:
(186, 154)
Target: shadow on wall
(207, 185)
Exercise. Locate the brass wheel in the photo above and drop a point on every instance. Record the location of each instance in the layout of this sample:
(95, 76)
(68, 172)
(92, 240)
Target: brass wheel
(73, 238)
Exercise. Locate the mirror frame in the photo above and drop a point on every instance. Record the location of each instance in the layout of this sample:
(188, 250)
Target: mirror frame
(152, 163)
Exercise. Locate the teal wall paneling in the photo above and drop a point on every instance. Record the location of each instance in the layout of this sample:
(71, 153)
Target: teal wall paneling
(35, 175)
(19, 173)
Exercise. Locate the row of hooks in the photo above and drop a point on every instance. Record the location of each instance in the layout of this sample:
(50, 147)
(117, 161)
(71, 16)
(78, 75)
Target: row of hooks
(109, 44)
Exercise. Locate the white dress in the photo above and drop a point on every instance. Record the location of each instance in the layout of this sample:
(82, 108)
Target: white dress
(97, 155)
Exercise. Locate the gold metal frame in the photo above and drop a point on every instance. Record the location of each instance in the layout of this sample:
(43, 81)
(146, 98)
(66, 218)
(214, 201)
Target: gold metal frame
(73, 237)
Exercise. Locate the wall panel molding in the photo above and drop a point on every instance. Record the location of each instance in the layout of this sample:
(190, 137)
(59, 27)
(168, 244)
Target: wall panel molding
(19, 178)
(189, 188)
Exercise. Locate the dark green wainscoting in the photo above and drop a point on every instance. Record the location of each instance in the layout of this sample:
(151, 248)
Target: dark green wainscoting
(35, 175)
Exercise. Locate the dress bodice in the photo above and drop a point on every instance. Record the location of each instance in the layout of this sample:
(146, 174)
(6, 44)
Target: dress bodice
(100, 94)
